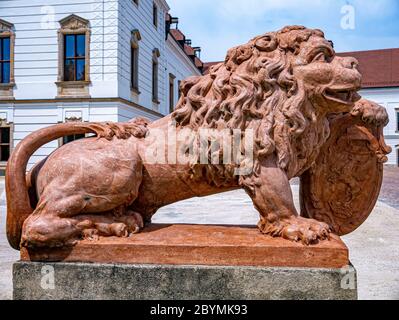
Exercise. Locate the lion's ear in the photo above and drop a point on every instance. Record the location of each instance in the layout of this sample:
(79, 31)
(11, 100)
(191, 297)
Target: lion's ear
(267, 42)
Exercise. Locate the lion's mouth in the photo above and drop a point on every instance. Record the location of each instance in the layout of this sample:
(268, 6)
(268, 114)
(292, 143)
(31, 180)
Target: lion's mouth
(344, 96)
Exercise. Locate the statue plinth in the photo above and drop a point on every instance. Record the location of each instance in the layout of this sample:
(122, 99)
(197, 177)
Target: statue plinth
(199, 245)
(188, 262)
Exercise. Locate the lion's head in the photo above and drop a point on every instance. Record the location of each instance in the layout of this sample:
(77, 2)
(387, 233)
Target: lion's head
(281, 84)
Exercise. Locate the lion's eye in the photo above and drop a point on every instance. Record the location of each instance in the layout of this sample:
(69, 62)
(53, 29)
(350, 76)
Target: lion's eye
(321, 57)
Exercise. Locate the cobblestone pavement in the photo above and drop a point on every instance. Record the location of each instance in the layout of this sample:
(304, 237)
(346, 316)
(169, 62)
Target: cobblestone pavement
(374, 249)
(390, 187)
(7, 255)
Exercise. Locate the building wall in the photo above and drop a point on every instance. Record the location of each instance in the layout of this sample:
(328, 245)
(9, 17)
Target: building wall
(179, 65)
(172, 58)
(36, 46)
(389, 98)
(140, 17)
(36, 23)
(28, 117)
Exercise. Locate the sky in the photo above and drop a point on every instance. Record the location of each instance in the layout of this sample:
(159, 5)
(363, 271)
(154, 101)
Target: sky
(353, 25)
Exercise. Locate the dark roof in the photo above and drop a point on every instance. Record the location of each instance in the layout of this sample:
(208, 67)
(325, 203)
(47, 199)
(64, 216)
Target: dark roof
(379, 68)
(177, 34)
(184, 44)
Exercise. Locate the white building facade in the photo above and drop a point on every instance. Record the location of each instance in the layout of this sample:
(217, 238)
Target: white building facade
(85, 60)
(389, 98)
(380, 72)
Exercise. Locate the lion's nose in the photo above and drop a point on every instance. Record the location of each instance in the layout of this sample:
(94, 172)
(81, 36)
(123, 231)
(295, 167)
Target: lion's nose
(350, 62)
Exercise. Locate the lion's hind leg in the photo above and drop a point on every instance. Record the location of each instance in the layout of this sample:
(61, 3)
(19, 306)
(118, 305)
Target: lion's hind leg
(61, 218)
(43, 229)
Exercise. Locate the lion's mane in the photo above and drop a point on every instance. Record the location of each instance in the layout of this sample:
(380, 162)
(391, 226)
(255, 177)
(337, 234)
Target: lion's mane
(254, 88)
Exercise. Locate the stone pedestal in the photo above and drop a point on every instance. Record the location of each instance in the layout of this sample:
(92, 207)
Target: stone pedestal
(188, 262)
(38, 280)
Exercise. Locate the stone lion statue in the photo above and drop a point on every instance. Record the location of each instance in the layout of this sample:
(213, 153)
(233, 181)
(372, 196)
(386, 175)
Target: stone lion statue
(283, 85)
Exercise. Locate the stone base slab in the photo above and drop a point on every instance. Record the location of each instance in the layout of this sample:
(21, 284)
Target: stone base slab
(40, 280)
(199, 245)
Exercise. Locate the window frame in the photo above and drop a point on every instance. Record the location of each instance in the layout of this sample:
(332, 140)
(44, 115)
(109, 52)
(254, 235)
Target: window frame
(155, 76)
(172, 78)
(6, 89)
(155, 15)
(397, 120)
(5, 124)
(4, 61)
(134, 63)
(72, 25)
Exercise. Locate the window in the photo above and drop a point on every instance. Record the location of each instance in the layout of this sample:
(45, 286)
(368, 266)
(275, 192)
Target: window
(155, 15)
(75, 57)
(397, 120)
(7, 41)
(155, 81)
(155, 57)
(5, 61)
(71, 138)
(5, 143)
(171, 92)
(134, 61)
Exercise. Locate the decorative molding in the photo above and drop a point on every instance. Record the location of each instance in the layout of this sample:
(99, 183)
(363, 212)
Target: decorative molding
(136, 37)
(156, 54)
(86, 100)
(5, 26)
(74, 22)
(73, 119)
(73, 89)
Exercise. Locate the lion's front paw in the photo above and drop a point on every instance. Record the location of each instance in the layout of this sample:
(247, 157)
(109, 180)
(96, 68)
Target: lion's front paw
(371, 112)
(307, 231)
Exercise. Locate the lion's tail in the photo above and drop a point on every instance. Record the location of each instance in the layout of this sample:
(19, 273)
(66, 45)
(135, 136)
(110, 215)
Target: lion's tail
(18, 203)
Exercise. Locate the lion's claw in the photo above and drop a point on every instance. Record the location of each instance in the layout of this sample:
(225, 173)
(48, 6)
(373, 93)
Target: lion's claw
(308, 231)
(371, 112)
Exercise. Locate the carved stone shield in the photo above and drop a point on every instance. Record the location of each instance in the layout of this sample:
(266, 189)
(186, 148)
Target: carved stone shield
(343, 185)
